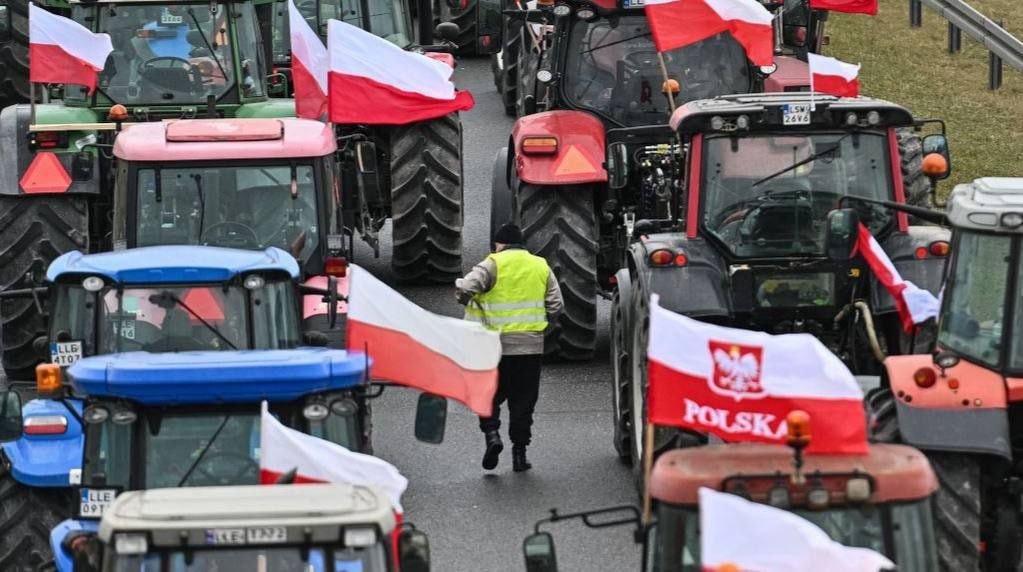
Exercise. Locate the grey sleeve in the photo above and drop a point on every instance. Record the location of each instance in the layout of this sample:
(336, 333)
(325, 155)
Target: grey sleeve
(480, 279)
(553, 300)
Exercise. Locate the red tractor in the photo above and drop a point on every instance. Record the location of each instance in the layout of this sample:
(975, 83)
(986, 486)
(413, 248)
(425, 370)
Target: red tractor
(592, 71)
(963, 404)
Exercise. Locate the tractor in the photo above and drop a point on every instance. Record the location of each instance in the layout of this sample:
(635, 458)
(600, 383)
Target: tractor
(266, 528)
(881, 501)
(961, 404)
(589, 75)
(760, 232)
(170, 60)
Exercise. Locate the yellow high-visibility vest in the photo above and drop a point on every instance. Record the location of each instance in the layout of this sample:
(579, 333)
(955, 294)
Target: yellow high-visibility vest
(516, 302)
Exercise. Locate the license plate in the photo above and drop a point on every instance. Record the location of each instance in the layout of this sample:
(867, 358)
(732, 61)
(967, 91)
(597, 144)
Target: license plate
(796, 114)
(95, 501)
(65, 353)
(266, 535)
(171, 19)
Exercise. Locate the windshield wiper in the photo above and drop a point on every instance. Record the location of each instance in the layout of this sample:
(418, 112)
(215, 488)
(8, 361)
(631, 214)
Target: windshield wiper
(160, 300)
(213, 53)
(202, 203)
(798, 164)
(209, 444)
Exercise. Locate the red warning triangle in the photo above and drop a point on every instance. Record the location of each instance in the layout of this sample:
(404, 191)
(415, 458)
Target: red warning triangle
(45, 174)
(574, 163)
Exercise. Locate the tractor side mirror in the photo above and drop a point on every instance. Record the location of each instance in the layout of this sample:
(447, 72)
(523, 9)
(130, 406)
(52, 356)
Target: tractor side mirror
(431, 418)
(937, 162)
(529, 104)
(447, 31)
(539, 552)
(414, 551)
(10, 415)
(617, 165)
(366, 157)
(331, 299)
(843, 226)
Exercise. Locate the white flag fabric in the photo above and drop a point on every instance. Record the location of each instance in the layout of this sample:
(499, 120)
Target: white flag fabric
(753, 536)
(317, 460)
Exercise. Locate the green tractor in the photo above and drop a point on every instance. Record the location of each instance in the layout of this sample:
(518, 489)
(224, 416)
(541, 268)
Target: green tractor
(170, 60)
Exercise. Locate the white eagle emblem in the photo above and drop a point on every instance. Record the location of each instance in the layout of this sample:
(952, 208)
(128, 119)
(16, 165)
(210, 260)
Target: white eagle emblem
(737, 369)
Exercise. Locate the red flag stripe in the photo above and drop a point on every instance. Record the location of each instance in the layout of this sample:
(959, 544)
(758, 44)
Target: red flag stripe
(356, 99)
(885, 273)
(849, 6)
(836, 85)
(678, 399)
(51, 64)
(677, 23)
(310, 101)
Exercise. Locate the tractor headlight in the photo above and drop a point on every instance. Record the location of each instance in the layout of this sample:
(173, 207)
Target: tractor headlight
(356, 536)
(586, 13)
(717, 122)
(1012, 220)
(253, 282)
(315, 411)
(344, 407)
(851, 119)
(93, 283)
(544, 76)
(562, 10)
(873, 118)
(130, 543)
(123, 416)
(95, 414)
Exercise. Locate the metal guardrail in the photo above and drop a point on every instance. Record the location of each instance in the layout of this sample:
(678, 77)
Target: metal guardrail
(1002, 46)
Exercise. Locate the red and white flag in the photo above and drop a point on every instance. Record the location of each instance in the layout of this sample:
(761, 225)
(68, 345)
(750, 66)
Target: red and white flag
(61, 50)
(411, 346)
(309, 66)
(316, 460)
(740, 384)
(850, 6)
(677, 23)
(915, 305)
(835, 77)
(373, 81)
(753, 536)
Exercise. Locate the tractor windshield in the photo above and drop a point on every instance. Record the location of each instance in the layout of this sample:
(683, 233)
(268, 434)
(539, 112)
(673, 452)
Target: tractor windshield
(279, 559)
(170, 54)
(250, 206)
(976, 301)
(612, 68)
(909, 542)
(172, 447)
(756, 214)
(386, 18)
(208, 317)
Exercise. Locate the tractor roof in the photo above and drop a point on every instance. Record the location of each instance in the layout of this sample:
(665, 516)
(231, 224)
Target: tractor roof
(764, 111)
(900, 473)
(980, 205)
(201, 516)
(172, 264)
(246, 376)
(220, 139)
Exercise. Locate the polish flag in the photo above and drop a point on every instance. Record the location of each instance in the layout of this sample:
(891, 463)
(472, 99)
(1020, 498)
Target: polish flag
(373, 81)
(309, 66)
(915, 305)
(835, 77)
(740, 385)
(413, 347)
(850, 6)
(61, 50)
(315, 460)
(739, 534)
(677, 23)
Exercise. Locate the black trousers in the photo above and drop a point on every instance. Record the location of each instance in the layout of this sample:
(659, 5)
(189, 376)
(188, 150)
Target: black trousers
(518, 382)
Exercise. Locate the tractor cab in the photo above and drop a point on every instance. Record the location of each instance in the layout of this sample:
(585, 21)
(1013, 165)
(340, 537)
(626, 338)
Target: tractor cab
(880, 501)
(236, 183)
(274, 528)
(174, 54)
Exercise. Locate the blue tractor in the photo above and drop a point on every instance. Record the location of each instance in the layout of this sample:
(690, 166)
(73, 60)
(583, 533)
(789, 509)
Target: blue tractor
(155, 300)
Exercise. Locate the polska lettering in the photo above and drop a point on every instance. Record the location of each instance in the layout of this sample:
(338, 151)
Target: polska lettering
(754, 423)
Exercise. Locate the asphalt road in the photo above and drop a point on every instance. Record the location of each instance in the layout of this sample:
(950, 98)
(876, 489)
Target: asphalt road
(477, 519)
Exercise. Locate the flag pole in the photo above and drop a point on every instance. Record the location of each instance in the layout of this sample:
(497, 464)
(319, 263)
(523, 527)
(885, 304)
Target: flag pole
(32, 100)
(666, 88)
(648, 464)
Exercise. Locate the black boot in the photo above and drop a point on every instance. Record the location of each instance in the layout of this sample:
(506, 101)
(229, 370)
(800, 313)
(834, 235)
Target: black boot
(494, 448)
(519, 462)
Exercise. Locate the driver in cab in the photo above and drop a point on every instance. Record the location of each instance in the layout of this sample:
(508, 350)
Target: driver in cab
(182, 33)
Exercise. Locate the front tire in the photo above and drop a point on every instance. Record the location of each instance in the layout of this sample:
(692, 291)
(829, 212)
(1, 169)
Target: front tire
(621, 368)
(426, 200)
(560, 225)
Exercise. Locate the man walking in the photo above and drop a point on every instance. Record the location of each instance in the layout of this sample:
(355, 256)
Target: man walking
(513, 292)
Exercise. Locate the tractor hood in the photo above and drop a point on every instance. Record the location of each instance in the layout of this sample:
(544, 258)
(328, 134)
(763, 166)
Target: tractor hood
(218, 377)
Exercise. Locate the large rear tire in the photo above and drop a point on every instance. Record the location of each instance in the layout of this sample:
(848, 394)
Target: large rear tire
(33, 232)
(426, 200)
(14, 56)
(510, 70)
(466, 43)
(26, 517)
(560, 225)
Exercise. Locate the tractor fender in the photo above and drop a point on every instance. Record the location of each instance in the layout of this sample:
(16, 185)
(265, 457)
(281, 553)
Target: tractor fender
(623, 283)
(502, 205)
(442, 57)
(14, 122)
(792, 74)
(972, 418)
(47, 460)
(62, 558)
(579, 157)
(927, 273)
(696, 289)
(315, 315)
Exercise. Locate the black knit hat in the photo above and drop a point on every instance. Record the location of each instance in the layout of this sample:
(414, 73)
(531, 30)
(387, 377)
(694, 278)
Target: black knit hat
(509, 234)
